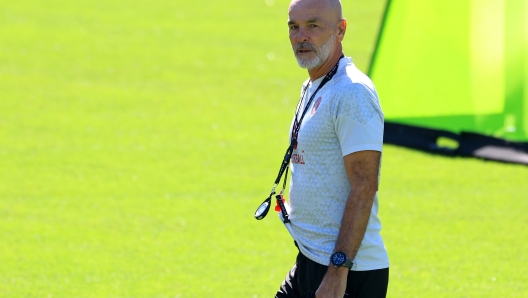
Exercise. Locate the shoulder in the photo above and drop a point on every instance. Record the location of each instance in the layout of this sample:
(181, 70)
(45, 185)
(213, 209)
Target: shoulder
(351, 81)
(353, 86)
(354, 94)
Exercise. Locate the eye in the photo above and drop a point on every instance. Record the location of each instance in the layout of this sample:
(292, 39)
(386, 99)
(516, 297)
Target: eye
(293, 27)
(313, 25)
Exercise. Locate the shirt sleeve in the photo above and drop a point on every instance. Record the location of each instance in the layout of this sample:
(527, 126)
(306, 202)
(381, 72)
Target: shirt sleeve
(359, 120)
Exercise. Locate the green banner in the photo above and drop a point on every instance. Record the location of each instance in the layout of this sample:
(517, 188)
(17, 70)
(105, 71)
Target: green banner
(455, 65)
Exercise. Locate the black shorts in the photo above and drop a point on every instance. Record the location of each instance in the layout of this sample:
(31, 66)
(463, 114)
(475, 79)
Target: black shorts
(306, 276)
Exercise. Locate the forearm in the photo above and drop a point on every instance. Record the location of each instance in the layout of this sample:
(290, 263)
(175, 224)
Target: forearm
(362, 170)
(353, 226)
(354, 222)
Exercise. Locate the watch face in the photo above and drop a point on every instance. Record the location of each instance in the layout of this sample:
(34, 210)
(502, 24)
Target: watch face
(338, 259)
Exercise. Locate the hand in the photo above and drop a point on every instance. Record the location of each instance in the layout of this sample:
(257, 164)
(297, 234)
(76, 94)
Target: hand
(333, 284)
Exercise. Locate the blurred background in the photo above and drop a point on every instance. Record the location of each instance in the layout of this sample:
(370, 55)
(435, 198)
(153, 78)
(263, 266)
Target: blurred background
(137, 139)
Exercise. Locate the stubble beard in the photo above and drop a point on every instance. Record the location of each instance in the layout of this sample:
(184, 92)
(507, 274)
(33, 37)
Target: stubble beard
(322, 53)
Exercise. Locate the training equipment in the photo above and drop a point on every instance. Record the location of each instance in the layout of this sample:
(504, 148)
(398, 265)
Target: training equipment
(456, 69)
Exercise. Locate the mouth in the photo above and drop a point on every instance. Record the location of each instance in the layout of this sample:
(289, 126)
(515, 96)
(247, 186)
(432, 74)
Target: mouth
(303, 51)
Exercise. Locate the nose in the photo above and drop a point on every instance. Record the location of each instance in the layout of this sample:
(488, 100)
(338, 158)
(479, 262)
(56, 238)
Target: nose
(301, 35)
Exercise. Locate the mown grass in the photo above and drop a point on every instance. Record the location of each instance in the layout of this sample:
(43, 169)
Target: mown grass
(137, 139)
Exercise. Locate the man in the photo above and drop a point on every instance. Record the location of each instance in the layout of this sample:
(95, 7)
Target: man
(337, 133)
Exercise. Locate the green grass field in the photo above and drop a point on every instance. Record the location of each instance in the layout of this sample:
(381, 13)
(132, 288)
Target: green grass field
(137, 139)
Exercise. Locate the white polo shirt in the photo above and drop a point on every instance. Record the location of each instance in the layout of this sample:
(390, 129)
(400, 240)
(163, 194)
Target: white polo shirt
(344, 117)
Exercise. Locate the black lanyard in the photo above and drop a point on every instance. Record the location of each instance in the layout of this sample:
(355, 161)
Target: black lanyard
(263, 209)
(297, 122)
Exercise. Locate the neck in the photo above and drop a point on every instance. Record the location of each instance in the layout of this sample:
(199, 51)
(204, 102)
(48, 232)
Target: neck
(326, 67)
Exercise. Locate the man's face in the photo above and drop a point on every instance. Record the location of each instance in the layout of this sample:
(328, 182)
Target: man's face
(312, 32)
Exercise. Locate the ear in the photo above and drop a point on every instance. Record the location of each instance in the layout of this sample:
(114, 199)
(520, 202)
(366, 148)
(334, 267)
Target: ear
(341, 27)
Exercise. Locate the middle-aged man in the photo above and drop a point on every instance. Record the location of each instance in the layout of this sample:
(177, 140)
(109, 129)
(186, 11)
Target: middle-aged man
(337, 133)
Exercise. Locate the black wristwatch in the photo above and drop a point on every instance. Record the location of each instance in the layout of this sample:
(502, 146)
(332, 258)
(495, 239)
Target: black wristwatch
(340, 259)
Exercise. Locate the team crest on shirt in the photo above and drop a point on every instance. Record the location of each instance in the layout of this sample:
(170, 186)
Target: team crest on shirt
(316, 105)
